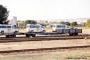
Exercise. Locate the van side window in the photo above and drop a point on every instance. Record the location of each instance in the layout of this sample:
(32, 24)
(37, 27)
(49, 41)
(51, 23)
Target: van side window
(34, 26)
(60, 26)
(2, 26)
(8, 26)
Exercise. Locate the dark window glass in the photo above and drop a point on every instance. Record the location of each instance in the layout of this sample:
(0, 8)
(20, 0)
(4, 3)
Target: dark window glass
(34, 26)
(2, 26)
(60, 26)
(8, 26)
(5, 26)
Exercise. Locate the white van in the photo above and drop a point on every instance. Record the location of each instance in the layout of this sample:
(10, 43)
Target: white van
(8, 30)
(59, 28)
(35, 28)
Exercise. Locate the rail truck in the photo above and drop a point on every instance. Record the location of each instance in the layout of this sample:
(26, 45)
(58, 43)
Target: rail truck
(64, 29)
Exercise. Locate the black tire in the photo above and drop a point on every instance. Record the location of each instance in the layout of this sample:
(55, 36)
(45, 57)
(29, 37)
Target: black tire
(15, 32)
(43, 31)
(7, 36)
(70, 34)
(10, 36)
(33, 35)
(27, 35)
(75, 34)
(2, 32)
(14, 35)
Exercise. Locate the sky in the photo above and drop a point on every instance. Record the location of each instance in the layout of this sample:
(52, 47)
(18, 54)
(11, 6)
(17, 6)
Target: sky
(47, 9)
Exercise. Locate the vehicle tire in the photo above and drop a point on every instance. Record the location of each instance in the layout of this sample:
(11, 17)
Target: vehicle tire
(27, 35)
(70, 34)
(15, 32)
(33, 35)
(14, 35)
(7, 36)
(75, 34)
(43, 31)
(2, 32)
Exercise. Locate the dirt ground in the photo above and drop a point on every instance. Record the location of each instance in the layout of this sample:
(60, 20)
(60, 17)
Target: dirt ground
(86, 30)
(43, 44)
(79, 54)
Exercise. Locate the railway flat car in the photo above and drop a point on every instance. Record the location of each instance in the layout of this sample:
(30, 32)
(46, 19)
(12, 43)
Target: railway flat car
(64, 29)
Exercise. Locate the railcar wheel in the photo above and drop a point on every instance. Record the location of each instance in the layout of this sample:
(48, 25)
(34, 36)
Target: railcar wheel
(27, 35)
(33, 35)
(15, 32)
(70, 34)
(7, 36)
(75, 34)
(13, 35)
(2, 32)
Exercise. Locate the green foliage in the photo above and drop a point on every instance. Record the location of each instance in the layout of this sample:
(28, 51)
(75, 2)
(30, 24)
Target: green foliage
(30, 22)
(66, 23)
(3, 15)
(88, 23)
(21, 24)
(74, 24)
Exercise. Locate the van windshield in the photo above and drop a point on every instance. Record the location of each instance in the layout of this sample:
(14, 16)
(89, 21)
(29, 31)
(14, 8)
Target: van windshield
(8, 26)
(34, 26)
(60, 26)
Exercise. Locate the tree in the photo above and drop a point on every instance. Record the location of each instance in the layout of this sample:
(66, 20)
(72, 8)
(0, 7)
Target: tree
(88, 23)
(66, 23)
(3, 15)
(62, 22)
(30, 22)
(74, 24)
(21, 24)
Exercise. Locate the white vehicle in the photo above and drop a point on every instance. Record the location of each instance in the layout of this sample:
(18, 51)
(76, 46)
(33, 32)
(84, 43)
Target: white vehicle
(62, 28)
(59, 27)
(35, 28)
(8, 30)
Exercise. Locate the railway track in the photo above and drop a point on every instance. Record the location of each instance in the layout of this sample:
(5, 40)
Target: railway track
(43, 38)
(46, 49)
(54, 48)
